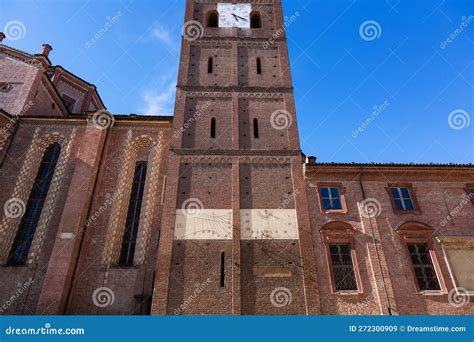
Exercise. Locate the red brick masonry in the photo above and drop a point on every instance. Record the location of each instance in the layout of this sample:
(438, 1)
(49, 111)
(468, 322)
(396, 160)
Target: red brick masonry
(237, 169)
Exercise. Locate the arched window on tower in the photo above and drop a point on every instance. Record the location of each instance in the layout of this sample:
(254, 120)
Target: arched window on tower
(259, 66)
(255, 20)
(213, 19)
(29, 222)
(255, 128)
(210, 63)
(213, 128)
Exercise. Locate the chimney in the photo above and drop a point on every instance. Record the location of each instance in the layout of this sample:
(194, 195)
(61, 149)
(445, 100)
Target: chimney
(2, 36)
(46, 50)
(311, 160)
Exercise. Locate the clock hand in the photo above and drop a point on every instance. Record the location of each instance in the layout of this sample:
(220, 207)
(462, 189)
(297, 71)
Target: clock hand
(238, 16)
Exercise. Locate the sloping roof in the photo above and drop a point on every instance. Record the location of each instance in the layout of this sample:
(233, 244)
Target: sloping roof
(138, 117)
(49, 68)
(411, 165)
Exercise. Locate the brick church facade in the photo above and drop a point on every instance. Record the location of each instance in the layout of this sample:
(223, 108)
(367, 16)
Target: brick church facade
(215, 210)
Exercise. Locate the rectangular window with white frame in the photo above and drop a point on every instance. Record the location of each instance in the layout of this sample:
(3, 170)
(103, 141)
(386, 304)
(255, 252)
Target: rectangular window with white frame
(403, 198)
(331, 198)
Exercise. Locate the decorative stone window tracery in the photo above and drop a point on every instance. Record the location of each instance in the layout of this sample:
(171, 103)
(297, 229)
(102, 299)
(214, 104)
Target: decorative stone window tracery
(141, 145)
(10, 223)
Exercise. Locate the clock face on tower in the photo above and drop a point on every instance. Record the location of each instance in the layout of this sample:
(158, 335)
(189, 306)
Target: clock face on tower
(234, 15)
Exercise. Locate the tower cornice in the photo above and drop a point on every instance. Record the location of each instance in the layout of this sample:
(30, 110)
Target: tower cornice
(251, 91)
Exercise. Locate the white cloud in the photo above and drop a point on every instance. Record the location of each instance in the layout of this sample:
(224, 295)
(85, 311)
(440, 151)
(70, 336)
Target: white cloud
(163, 35)
(159, 103)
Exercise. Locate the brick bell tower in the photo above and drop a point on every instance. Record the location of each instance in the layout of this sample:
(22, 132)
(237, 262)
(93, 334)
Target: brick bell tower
(235, 236)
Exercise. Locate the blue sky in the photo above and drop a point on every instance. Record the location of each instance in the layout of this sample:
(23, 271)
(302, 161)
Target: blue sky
(408, 69)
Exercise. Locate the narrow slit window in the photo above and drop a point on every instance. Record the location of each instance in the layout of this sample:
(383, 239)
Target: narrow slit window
(342, 267)
(133, 216)
(210, 65)
(29, 222)
(259, 66)
(222, 269)
(255, 128)
(213, 128)
(423, 266)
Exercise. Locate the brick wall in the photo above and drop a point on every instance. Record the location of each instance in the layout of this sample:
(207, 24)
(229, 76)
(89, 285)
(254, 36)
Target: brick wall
(130, 286)
(21, 78)
(13, 278)
(437, 192)
(197, 119)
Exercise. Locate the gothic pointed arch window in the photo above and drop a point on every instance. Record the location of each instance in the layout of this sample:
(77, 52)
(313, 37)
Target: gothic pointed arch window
(255, 20)
(29, 222)
(131, 216)
(212, 19)
(129, 240)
